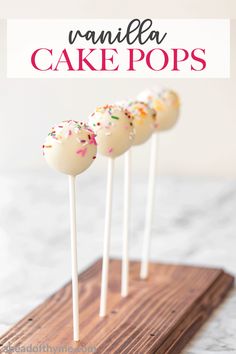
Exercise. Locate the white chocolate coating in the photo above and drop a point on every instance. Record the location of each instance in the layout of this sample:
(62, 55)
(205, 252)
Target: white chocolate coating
(144, 119)
(166, 104)
(113, 126)
(70, 147)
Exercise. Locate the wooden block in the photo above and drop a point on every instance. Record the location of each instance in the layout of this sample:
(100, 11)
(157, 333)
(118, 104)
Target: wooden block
(159, 316)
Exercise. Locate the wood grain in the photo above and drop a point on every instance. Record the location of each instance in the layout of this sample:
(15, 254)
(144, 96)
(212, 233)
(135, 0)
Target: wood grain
(159, 316)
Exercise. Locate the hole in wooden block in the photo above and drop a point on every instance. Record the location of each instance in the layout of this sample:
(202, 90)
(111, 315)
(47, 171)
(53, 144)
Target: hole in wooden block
(30, 319)
(152, 334)
(114, 311)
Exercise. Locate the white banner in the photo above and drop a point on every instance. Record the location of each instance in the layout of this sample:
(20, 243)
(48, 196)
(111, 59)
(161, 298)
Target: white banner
(120, 48)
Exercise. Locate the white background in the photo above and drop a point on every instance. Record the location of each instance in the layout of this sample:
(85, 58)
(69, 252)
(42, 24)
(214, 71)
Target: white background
(203, 143)
(24, 37)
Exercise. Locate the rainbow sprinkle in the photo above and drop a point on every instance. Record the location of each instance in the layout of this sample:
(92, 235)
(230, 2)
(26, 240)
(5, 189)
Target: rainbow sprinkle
(82, 152)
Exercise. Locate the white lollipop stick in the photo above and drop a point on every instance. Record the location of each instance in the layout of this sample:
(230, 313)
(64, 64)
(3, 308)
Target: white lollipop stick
(74, 264)
(125, 252)
(107, 237)
(70, 148)
(149, 210)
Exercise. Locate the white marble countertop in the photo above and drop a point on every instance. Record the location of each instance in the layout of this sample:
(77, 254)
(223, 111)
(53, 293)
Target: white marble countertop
(195, 224)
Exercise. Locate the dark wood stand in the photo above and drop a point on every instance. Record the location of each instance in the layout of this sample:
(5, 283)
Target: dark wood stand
(160, 315)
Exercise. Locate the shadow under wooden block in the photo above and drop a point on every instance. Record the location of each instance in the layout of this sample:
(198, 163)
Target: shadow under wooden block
(160, 315)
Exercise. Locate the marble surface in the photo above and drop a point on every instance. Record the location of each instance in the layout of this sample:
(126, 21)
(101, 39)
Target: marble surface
(194, 223)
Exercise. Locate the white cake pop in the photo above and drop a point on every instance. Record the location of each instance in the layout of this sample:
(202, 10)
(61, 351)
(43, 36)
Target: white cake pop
(144, 119)
(70, 147)
(113, 126)
(114, 130)
(166, 104)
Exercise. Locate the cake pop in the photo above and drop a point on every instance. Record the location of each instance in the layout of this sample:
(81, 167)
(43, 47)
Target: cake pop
(167, 106)
(166, 103)
(70, 148)
(144, 119)
(114, 130)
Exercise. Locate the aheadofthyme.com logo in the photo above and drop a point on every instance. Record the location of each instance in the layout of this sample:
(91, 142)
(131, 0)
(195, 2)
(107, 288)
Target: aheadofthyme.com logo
(46, 348)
